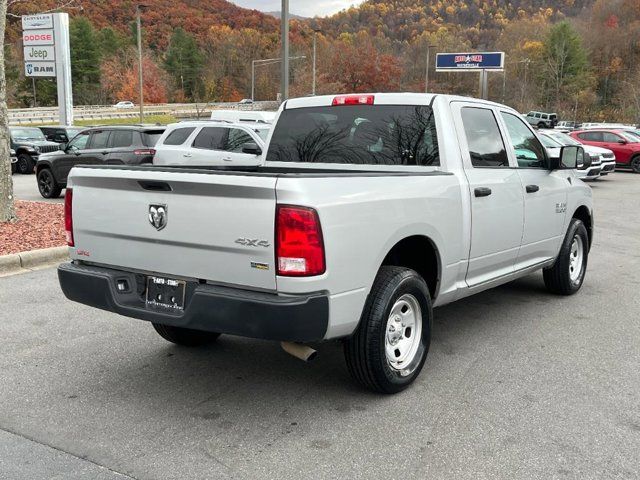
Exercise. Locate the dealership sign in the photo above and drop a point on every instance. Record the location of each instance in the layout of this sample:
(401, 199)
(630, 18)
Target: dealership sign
(34, 22)
(474, 61)
(47, 53)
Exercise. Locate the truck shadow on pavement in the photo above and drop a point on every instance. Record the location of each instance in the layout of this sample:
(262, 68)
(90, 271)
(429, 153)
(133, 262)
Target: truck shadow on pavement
(237, 374)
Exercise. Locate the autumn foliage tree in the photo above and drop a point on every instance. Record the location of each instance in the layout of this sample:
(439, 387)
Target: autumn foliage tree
(120, 79)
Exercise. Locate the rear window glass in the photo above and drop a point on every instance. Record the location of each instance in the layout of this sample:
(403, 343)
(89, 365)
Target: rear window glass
(151, 137)
(121, 138)
(356, 134)
(178, 136)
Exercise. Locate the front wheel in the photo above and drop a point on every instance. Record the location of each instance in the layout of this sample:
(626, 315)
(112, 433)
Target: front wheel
(389, 347)
(24, 164)
(635, 164)
(185, 336)
(47, 185)
(566, 276)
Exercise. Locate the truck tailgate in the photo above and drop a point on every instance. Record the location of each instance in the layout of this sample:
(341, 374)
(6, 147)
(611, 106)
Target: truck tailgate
(218, 226)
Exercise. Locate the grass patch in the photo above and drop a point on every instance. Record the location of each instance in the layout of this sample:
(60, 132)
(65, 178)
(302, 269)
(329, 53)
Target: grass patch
(152, 119)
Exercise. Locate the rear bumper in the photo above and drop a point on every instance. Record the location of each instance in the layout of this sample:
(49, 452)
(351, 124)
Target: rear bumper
(207, 307)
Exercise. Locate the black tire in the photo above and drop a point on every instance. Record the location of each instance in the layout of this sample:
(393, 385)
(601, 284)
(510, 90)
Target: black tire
(185, 336)
(558, 278)
(635, 164)
(13, 168)
(47, 185)
(365, 350)
(541, 125)
(25, 164)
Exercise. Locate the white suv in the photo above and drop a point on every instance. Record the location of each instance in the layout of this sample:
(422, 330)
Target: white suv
(211, 143)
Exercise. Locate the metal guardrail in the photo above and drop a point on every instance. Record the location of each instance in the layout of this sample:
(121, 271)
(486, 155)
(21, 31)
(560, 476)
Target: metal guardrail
(25, 116)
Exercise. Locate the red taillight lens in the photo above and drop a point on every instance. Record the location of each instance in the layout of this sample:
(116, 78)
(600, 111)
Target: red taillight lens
(145, 151)
(68, 216)
(353, 100)
(299, 245)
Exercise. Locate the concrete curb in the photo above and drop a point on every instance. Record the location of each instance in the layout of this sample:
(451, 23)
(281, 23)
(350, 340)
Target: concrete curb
(32, 260)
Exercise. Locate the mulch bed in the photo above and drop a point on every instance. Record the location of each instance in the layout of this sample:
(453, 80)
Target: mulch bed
(39, 225)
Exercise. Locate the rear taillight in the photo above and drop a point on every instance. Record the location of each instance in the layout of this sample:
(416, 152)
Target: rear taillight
(299, 245)
(353, 100)
(68, 216)
(144, 151)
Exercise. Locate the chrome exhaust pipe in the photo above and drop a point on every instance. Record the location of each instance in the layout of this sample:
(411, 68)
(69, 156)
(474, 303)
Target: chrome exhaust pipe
(298, 350)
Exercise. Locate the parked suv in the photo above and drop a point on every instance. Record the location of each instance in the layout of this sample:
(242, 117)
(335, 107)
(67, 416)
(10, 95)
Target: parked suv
(29, 143)
(542, 120)
(590, 169)
(101, 145)
(211, 143)
(60, 133)
(625, 145)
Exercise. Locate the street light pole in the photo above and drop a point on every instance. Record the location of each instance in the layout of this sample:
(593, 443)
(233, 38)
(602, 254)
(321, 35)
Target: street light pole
(426, 79)
(284, 31)
(139, 9)
(313, 90)
(253, 80)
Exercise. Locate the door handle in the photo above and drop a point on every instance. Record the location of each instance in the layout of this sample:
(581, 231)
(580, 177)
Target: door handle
(227, 159)
(105, 153)
(187, 155)
(532, 188)
(482, 192)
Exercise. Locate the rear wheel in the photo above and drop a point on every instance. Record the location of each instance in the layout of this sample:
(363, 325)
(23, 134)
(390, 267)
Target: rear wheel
(566, 276)
(389, 347)
(47, 184)
(635, 164)
(185, 336)
(24, 164)
(541, 125)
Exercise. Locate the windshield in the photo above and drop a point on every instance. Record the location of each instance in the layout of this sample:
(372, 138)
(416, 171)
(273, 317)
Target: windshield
(630, 137)
(356, 134)
(27, 134)
(263, 133)
(549, 142)
(565, 139)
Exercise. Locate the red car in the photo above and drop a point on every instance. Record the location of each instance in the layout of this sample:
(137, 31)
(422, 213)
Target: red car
(623, 143)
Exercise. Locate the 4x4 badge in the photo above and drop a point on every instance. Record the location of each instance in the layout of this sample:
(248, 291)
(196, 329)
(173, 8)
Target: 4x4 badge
(158, 216)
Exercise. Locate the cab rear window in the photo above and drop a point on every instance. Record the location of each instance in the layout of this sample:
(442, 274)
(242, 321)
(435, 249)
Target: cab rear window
(356, 134)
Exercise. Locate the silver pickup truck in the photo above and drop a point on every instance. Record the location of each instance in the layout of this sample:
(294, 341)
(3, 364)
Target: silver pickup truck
(363, 213)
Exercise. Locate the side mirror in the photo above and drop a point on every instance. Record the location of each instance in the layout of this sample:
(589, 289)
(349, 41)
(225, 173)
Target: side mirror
(622, 142)
(570, 158)
(251, 148)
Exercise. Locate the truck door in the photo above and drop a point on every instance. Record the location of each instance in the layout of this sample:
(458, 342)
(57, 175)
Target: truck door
(497, 201)
(545, 193)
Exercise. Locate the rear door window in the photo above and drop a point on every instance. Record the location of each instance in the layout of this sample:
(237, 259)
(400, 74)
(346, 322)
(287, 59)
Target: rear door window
(356, 134)
(99, 139)
(591, 136)
(178, 136)
(486, 146)
(211, 138)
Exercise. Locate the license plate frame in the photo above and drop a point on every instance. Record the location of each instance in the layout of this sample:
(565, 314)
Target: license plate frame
(165, 293)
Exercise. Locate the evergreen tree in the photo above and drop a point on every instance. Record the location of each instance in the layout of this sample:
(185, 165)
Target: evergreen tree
(184, 63)
(85, 61)
(110, 42)
(565, 60)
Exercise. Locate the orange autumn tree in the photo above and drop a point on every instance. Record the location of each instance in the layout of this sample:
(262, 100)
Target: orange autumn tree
(120, 79)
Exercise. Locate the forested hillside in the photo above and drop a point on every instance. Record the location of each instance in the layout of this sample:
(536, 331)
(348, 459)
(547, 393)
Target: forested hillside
(579, 58)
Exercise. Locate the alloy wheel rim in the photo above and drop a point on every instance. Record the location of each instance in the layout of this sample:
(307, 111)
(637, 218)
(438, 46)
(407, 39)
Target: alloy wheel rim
(576, 257)
(403, 334)
(45, 183)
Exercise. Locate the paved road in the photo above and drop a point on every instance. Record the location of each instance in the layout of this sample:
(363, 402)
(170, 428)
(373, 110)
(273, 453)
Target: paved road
(518, 384)
(26, 188)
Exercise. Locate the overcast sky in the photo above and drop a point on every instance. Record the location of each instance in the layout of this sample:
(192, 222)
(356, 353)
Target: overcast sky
(306, 8)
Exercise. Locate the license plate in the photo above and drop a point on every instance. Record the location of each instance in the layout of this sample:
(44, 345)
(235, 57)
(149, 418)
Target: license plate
(165, 293)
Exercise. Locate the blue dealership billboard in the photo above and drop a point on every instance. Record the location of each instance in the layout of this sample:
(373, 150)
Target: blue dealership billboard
(447, 62)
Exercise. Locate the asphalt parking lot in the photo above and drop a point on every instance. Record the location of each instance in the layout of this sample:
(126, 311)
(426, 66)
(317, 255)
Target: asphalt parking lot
(25, 187)
(518, 384)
